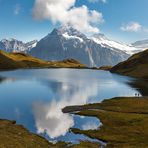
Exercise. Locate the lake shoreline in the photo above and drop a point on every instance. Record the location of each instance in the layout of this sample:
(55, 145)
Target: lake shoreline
(52, 77)
(116, 114)
(15, 135)
(110, 112)
(34, 68)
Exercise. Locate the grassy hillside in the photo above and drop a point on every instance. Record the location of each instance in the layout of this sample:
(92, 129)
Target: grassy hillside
(10, 61)
(136, 66)
(12, 135)
(19, 60)
(67, 63)
(107, 68)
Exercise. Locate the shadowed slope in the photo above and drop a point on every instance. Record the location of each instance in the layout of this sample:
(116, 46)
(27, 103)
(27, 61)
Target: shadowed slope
(136, 66)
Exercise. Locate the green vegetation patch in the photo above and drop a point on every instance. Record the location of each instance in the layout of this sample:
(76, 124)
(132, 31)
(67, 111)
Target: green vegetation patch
(125, 122)
(135, 66)
(16, 136)
(9, 61)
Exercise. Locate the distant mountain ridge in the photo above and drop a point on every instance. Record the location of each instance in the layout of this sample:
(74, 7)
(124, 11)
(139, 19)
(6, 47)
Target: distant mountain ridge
(67, 42)
(102, 40)
(13, 45)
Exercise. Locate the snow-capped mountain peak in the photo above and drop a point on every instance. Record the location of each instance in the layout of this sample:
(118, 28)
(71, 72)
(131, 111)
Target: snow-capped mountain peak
(68, 37)
(68, 32)
(67, 42)
(102, 40)
(100, 36)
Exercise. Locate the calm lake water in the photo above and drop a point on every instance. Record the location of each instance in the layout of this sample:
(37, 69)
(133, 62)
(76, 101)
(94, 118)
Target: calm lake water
(35, 98)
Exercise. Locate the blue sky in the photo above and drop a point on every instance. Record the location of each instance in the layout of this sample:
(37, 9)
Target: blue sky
(122, 20)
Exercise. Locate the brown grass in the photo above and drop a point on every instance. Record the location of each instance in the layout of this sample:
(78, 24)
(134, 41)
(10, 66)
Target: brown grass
(10, 61)
(136, 66)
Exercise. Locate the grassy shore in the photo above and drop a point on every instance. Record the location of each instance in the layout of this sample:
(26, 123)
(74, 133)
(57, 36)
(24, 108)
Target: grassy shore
(16, 136)
(124, 126)
(106, 68)
(124, 121)
(10, 61)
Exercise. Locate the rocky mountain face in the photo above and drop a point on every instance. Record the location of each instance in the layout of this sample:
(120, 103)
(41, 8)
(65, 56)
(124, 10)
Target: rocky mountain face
(67, 42)
(102, 40)
(13, 45)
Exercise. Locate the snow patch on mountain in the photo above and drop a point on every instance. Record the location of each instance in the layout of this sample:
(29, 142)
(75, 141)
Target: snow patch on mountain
(31, 44)
(143, 44)
(102, 40)
(67, 42)
(69, 37)
(13, 45)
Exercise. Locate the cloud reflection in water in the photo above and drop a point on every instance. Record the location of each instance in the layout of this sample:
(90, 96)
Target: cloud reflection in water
(48, 116)
(50, 90)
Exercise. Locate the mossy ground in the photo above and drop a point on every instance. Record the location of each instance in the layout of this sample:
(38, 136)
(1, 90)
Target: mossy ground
(125, 122)
(16, 136)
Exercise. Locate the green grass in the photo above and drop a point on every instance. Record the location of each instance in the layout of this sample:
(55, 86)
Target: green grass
(124, 122)
(19, 60)
(86, 144)
(67, 63)
(9, 61)
(135, 66)
(16, 136)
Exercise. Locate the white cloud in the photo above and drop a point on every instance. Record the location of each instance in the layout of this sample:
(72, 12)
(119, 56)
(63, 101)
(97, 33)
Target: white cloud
(65, 12)
(17, 9)
(131, 27)
(134, 27)
(96, 1)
